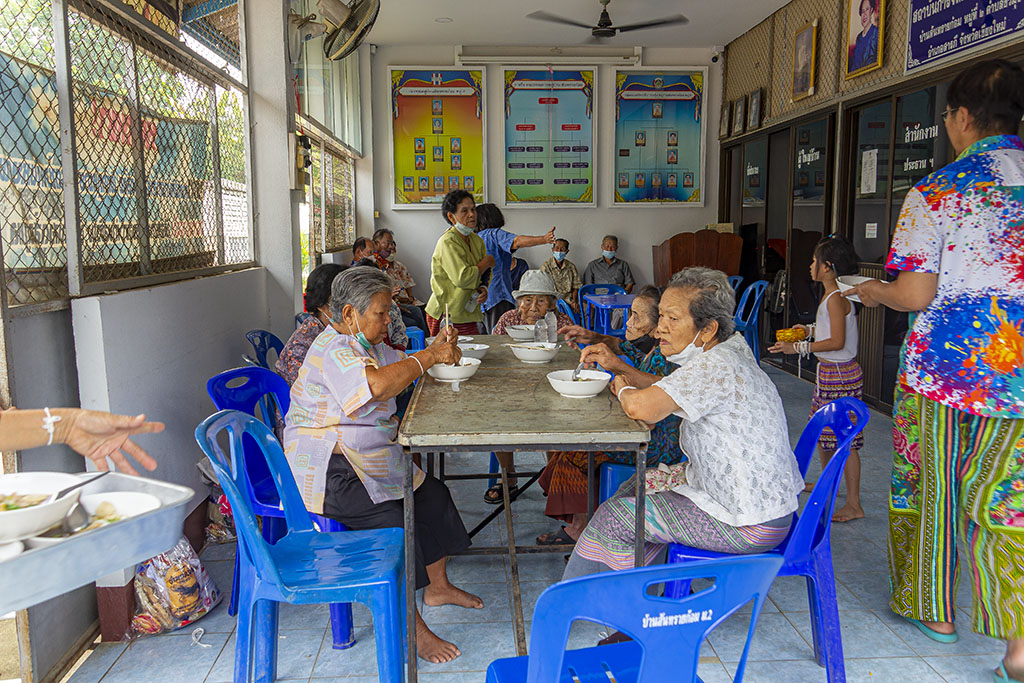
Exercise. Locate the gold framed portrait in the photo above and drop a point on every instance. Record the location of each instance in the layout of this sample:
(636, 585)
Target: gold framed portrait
(805, 50)
(865, 36)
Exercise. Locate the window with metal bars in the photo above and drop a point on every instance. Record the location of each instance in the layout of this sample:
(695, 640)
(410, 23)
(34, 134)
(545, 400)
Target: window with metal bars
(153, 177)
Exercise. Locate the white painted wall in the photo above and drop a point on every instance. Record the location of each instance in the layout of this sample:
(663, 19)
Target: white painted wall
(152, 350)
(416, 231)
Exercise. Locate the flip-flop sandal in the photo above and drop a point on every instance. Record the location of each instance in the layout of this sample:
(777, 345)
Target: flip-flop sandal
(1000, 675)
(560, 537)
(933, 634)
(493, 495)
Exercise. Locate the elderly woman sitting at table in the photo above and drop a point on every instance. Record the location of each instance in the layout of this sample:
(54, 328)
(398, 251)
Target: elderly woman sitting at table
(565, 478)
(534, 298)
(739, 488)
(340, 438)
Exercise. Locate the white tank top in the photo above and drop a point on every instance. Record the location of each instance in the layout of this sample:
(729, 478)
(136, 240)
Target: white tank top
(823, 331)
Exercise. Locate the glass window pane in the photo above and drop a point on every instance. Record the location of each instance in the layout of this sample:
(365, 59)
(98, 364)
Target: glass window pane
(810, 216)
(870, 179)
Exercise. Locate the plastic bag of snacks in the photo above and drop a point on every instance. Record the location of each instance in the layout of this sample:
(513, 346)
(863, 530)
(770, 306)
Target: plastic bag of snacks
(172, 590)
(221, 528)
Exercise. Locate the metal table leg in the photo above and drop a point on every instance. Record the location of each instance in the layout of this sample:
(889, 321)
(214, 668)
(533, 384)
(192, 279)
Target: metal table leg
(515, 595)
(641, 491)
(409, 522)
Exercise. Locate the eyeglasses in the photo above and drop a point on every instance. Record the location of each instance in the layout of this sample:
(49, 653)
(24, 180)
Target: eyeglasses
(946, 113)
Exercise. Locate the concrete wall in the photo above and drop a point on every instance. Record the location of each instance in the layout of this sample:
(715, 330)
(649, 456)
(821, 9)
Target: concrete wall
(416, 231)
(152, 350)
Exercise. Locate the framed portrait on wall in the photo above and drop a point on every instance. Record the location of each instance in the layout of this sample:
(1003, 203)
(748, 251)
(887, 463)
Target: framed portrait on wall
(805, 48)
(865, 34)
(739, 118)
(723, 124)
(754, 110)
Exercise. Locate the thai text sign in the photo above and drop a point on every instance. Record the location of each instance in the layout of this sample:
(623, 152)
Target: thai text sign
(940, 28)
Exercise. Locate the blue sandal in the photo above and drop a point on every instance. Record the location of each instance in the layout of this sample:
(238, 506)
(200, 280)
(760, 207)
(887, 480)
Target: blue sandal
(1001, 676)
(933, 634)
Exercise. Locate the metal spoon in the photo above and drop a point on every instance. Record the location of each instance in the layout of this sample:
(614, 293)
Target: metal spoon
(76, 520)
(62, 493)
(576, 372)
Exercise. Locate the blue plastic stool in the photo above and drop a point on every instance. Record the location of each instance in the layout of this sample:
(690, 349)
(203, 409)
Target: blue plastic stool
(749, 326)
(667, 633)
(304, 566)
(268, 392)
(585, 306)
(807, 550)
(417, 340)
(262, 342)
(564, 307)
(612, 476)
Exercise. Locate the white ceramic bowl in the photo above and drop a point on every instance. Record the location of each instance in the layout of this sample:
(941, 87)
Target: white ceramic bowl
(477, 351)
(18, 524)
(455, 373)
(590, 383)
(535, 352)
(9, 550)
(127, 504)
(520, 332)
(462, 340)
(846, 282)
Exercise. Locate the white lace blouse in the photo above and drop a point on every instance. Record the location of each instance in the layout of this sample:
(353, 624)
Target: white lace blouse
(741, 469)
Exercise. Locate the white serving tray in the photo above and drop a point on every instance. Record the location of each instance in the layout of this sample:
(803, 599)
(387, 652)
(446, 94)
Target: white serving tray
(42, 573)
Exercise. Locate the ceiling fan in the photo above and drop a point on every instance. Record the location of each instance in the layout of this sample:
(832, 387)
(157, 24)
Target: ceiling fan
(604, 27)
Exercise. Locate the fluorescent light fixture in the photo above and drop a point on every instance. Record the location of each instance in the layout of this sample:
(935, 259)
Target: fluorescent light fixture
(577, 54)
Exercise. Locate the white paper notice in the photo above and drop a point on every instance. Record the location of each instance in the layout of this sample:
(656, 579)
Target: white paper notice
(870, 231)
(869, 171)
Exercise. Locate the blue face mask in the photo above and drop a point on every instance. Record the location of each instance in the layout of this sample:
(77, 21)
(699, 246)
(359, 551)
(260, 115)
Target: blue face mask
(609, 254)
(361, 338)
(559, 255)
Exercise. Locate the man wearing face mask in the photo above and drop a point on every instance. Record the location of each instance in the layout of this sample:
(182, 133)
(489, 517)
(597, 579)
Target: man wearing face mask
(563, 273)
(456, 268)
(609, 269)
(738, 490)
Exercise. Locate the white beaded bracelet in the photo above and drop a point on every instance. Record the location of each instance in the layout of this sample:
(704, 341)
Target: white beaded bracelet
(418, 363)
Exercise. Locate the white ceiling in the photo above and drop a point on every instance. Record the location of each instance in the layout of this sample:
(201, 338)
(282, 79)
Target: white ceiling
(504, 22)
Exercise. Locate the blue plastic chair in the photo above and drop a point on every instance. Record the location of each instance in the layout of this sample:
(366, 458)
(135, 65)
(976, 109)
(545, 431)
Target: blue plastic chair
(735, 281)
(564, 307)
(417, 340)
(301, 318)
(749, 325)
(305, 566)
(585, 317)
(259, 388)
(262, 342)
(611, 476)
(807, 550)
(665, 647)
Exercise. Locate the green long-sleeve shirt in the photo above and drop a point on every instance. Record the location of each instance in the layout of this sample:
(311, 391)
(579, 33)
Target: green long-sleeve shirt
(454, 276)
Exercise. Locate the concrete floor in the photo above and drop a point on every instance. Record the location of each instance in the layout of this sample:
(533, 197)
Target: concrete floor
(879, 647)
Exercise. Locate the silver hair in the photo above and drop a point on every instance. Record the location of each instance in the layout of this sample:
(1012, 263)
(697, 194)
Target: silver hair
(613, 238)
(356, 287)
(714, 300)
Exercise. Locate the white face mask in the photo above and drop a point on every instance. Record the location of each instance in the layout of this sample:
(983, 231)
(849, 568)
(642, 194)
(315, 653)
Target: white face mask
(687, 354)
(463, 229)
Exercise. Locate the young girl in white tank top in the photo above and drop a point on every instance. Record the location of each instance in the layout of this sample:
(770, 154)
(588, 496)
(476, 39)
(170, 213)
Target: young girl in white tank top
(834, 344)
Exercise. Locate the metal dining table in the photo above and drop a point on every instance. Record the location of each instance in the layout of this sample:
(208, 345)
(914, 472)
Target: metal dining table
(509, 405)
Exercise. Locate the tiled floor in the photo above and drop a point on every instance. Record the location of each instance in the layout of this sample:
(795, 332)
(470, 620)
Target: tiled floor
(879, 647)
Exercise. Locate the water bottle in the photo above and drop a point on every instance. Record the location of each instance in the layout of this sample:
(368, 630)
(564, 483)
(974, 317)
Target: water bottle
(540, 331)
(551, 320)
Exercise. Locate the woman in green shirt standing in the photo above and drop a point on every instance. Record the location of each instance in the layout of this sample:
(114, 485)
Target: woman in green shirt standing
(456, 268)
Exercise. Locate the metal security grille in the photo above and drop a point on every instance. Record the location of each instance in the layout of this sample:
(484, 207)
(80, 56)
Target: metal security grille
(157, 151)
(339, 178)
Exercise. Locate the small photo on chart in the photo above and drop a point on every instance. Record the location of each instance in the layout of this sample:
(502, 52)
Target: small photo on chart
(641, 138)
(439, 154)
(421, 162)
(456, 162)
(639, 180)
(456, 146)
(687, 180)
(437, 126)
(421, 145)
(673, 180)
(656, 179)
(469, 185)
(424, 184)
(673, 156)
(439, 183)
(408, 184)
(436, 107)
(673, 138)
(656, 110)
(453, 182)
(623, 180)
